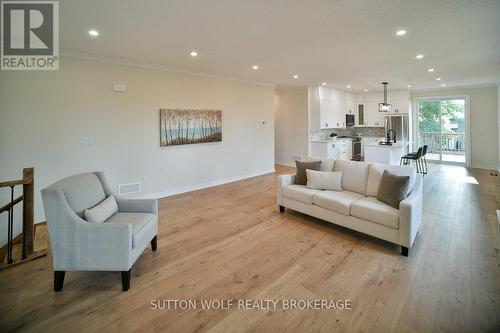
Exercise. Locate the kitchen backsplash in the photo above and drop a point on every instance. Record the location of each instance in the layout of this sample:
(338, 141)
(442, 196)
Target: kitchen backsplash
(324, 134)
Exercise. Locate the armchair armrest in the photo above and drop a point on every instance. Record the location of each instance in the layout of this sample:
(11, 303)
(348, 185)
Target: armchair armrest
(410, 214)
(137, 205)
(282, 182)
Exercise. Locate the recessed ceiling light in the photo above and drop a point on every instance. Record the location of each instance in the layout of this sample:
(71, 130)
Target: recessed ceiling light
(408, 86)
(193, 54)
(365, 90)
(255, 67)
(443, 85)
(419, 56)
(430, 70)
(438, 79)
(348, 87)
(93, 33)
(324, 83)
(295, 76)
(400, 32)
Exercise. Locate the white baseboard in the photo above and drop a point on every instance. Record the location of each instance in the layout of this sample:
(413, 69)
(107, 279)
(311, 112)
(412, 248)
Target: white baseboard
(483, 166)
(290, 164)
(191, 188)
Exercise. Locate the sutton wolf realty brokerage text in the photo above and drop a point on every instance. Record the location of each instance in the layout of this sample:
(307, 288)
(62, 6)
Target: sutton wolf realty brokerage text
(250, 304)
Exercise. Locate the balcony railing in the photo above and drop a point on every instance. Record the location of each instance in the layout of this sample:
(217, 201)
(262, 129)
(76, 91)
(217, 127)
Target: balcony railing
(450, 143)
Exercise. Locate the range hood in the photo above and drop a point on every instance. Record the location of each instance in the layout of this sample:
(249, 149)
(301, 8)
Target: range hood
(384, 107)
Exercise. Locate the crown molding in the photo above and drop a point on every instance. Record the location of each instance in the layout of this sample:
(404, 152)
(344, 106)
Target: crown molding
(164, 68)
(472, 86)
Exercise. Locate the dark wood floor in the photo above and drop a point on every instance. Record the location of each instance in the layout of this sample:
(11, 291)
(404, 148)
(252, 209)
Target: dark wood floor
(230, 242)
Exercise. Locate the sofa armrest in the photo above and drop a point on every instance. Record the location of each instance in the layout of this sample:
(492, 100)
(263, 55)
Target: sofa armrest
(282, 182)
(410, 214)
(137, 205)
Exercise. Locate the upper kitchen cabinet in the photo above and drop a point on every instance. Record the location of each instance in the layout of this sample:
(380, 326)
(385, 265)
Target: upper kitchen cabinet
(327, 108)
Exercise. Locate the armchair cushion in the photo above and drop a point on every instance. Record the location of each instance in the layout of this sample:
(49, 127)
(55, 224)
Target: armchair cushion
(82, 192)
(138, 221)
(102, 211)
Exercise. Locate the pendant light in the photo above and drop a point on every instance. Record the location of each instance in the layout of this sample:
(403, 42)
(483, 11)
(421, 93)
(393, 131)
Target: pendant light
(384, 107)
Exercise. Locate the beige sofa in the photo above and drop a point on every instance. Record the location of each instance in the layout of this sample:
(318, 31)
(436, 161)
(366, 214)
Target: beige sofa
(356, 207)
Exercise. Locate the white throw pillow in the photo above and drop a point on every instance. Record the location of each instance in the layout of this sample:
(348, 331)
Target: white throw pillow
(103, 211)
(321, 180)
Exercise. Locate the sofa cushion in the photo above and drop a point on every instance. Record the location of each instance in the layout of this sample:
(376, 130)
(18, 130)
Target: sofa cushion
(370, 209)
(103, 211)
(393, 189)
(300, 175)
(322, 180)
(326, 163)
(354, 175)
(300, 193)
(375, 175)
(338, 201)
(138, 221)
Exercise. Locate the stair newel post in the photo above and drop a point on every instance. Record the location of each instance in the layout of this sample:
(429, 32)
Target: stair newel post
(28, 209)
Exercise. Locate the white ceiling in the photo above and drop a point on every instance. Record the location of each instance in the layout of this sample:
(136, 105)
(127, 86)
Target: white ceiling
(349, 42)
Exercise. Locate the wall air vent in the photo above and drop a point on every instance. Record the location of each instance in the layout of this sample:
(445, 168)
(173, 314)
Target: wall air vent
(129, 188)
(296, 157)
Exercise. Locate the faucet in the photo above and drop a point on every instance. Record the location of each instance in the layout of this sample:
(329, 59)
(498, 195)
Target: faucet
(389, 135)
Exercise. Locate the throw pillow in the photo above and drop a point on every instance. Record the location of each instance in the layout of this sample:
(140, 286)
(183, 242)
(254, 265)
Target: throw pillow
(102, 211)
(321, 180)
(300, 176)
(393, 189)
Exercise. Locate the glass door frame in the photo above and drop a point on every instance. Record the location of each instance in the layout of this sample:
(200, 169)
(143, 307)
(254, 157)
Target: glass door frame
(439, 98)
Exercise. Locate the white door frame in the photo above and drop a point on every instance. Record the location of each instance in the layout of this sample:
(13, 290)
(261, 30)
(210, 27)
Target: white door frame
(467, 123)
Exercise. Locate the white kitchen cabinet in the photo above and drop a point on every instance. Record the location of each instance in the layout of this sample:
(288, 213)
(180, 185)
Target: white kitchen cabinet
(327, 149)
(343, 149)
(332, 113)
(400, 106)
(361, 115)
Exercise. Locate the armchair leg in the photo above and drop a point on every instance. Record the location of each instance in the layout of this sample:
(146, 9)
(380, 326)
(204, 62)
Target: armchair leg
(404, 251)
(58, 280)
(126, 280)
(154, 243)
(282, 209)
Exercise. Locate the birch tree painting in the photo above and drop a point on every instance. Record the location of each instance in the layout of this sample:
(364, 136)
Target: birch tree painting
(181, 127)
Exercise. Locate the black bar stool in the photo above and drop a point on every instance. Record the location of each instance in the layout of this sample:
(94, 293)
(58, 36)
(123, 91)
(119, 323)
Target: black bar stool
(406, 160)
(424, 160)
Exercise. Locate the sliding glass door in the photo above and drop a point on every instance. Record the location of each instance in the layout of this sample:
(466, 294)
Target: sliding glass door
(442, 127)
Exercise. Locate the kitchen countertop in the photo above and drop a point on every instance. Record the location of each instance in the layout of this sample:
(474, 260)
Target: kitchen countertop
(397, 144)
(326, 141)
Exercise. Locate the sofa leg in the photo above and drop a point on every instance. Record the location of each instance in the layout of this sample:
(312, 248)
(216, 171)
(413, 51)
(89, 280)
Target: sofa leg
(58, 280)
(126, 280)
(154, 243)
(404, 251)
(282, 209)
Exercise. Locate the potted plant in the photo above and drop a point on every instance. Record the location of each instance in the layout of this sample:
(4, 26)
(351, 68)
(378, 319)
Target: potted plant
(333, 135)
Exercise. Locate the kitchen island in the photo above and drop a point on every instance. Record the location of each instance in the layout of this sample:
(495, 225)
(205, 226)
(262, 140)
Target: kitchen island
(385, 154)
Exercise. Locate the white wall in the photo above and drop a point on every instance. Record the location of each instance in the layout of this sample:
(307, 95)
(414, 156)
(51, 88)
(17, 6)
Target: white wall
(498, 119)
(484, 140)
(291, 124)
(46, 115)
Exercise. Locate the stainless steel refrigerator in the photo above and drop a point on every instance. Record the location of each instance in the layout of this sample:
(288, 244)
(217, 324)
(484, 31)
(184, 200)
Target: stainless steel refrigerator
(401, 124)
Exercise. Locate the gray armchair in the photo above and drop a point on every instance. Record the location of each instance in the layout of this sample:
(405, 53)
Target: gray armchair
(78, 245)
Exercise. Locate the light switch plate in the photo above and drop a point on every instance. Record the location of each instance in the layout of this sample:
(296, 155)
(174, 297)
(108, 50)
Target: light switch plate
(118, 87)
(88, 140)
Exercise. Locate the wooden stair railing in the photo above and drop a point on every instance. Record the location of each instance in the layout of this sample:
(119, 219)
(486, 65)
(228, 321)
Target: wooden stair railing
(27, 250)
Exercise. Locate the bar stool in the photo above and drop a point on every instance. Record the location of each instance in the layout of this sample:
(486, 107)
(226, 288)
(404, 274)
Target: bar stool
(406, 160)
(424, 160)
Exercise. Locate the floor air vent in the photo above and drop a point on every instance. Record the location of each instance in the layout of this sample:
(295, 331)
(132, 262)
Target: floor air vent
(129, 188)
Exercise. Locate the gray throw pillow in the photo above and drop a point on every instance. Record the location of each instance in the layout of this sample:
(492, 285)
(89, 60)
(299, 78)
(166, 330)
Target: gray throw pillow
(301, 176)
(393, 189)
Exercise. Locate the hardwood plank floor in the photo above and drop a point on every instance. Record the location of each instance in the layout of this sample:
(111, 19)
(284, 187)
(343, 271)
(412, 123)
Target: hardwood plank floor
(230, 242)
